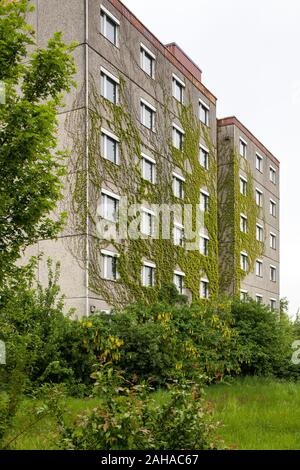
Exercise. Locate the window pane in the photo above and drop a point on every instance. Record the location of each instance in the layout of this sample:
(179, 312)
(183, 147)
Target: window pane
(178, 91)
(111, 90)
(147, 62)
(148, 170)
(111, 208)
(203, 114)
(148, 117)
(111, 30)
(111, 149)
(204, 158)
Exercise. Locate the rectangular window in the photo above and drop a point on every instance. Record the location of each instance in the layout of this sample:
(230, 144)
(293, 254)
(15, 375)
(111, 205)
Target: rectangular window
(178, 186)
(243, 186)
(259, 198)
(273, 241)
(243, 295)
(272, 175)
(178, 280)
(204, 288)
(110, 146)
(259, 163)
(109, 26)
(147, 61)
(273, 208)
(259, 298)
(243, 148)
(244, 262)
(204, 113)
(204, 157)
(273, 304)
(148, 275)
(109, 265)
(259, 268)
(148, 218)
(148, 115)
(204, 245)
(109, 86)
(273, 273)
(244, 223)
(178, 235)
(204, 201)
(178, 88)
(110, 206)
(148, 168)
(178, 136)
(259, 233)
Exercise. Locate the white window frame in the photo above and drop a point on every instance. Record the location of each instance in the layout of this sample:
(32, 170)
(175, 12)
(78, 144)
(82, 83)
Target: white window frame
(113, 137)
(204, 237)
(259, 272)
(178, 81)
(180, 227)
(273, 204)
(204, 105)
(260, 231)
(205, 281)
(206, 150)
(275, 301)
(180, 178)
(182, 276)
(273, 171)
(245, 146)
(147, 264)
(273, 236)
(245, 181)
(244, 218)
(108, 14)
(260, 159)
(145, 210)
(181, 131)
(259, 191)
(108, 74)
(109, 254)
(273, 269)
(243, 295)
(259, 298)
(153, 162)
(244, 255)
(145, 104)
(204, 193)
(105, 192)
(145, 50)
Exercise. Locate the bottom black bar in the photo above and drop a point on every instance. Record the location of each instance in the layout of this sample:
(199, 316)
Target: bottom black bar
(134, 459)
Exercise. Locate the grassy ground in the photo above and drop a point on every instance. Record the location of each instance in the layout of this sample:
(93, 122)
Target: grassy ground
(256, 414)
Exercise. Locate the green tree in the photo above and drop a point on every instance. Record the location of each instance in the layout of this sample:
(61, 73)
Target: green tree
(31, 168)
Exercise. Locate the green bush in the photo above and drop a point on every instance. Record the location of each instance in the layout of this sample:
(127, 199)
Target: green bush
(265, 338)
(161, 341)
(128, 417)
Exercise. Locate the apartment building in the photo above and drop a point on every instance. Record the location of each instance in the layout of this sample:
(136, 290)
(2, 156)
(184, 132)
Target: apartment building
(248, 193)
(143, 131)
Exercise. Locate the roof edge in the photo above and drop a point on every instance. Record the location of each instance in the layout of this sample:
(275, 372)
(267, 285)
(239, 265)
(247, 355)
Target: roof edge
(132, 18)
(232, 120)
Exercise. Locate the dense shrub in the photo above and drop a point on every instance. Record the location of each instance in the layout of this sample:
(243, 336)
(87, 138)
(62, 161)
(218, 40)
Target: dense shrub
(265, 338)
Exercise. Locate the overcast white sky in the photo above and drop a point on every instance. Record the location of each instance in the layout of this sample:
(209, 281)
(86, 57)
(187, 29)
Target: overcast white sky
(249, 55)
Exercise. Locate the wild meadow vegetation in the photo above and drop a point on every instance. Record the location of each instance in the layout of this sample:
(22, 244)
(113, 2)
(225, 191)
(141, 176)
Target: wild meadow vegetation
(208, 376)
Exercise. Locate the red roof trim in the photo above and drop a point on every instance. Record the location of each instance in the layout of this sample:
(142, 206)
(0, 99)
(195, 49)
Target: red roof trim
(121, 8)
(232, 120)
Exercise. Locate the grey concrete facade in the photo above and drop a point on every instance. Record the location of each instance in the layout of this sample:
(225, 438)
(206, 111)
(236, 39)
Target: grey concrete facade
(264, 169)
(80, 21)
